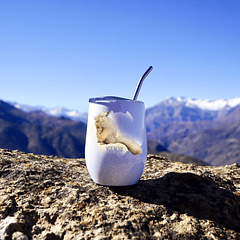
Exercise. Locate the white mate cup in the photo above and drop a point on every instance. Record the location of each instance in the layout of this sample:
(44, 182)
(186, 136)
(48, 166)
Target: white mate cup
(116, 143)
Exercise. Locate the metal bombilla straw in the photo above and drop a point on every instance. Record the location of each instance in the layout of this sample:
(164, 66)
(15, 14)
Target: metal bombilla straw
(135, 96)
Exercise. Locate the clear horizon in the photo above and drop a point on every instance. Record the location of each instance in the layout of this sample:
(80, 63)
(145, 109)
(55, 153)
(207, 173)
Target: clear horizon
(61, 53)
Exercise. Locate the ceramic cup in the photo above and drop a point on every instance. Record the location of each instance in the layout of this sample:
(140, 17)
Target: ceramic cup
(116, 143)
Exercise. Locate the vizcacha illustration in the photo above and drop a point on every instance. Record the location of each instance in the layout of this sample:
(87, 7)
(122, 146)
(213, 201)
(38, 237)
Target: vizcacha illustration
(106, 132)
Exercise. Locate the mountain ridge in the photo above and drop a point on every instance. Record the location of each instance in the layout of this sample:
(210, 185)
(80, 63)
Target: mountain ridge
(40, 133)
(214, 106)
(185, 126)
(58, 111)
(211, 105)
(187, 110)
(216, 141)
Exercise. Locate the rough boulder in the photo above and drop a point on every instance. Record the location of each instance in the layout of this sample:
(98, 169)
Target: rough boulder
(47, 197)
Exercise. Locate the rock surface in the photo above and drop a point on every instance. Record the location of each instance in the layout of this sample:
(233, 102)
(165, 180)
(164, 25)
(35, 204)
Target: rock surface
(46, 197)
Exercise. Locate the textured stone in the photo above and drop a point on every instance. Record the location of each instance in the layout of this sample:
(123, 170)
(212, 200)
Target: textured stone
(46, 197)
(19, 236)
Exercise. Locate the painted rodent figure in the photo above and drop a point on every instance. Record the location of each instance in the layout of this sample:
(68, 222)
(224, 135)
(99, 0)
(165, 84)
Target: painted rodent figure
(107, 133)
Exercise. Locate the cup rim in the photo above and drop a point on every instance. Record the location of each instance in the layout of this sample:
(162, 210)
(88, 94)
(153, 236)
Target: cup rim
(111, 99)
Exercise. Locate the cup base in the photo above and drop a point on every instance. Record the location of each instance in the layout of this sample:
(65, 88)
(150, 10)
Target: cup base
(116, 185)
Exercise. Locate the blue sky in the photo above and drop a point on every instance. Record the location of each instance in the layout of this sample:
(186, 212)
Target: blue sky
(61, 53)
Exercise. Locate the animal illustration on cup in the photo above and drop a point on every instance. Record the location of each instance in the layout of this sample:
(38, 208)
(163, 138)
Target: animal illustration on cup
(106, 131)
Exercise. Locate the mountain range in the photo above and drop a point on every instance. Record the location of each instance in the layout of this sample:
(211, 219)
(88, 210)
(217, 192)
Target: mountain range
(183, 109)
(57, 112)
(203, 129)
(208, 130)
(40, 133)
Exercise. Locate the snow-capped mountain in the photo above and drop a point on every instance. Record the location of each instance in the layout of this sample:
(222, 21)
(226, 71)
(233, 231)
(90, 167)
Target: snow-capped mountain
(187, 109)
(208, 130)
(59, 111)
(209, 105)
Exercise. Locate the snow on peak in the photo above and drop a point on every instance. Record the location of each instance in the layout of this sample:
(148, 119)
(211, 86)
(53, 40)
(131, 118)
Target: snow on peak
(58, 111)
(181, 99)
(208, 105)
(213, 105)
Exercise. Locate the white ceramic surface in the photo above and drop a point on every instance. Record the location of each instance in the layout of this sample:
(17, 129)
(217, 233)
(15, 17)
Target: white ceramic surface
(116, 143)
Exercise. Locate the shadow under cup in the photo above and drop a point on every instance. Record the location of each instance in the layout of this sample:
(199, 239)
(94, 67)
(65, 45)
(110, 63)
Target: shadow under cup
(116, 143)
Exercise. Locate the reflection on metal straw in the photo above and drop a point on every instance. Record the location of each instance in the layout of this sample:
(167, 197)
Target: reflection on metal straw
(135, 96)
